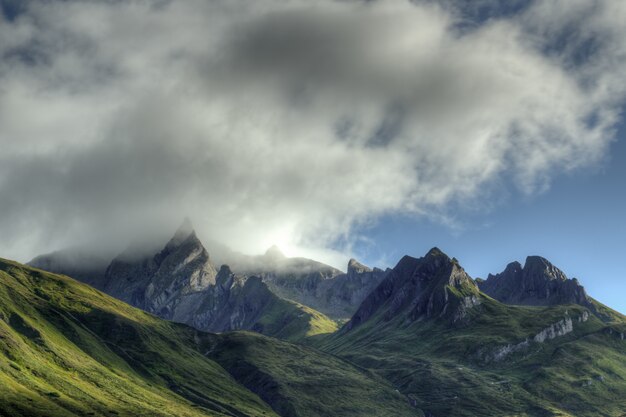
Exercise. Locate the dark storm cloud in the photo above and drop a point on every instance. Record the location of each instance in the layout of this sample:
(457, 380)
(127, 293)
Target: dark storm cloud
(288, 122)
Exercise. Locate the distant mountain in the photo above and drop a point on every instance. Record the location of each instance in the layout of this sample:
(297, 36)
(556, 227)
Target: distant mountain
(67, 349)
(86, 265)
(434, 286)
(455, 351)
(305, 281)
(537, 283)
(168, 283)
(319, 286)
(237, 302)
(175, 280)
(180, 283)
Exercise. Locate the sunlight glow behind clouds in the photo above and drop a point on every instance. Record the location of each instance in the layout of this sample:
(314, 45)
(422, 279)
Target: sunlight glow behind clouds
(296, 119)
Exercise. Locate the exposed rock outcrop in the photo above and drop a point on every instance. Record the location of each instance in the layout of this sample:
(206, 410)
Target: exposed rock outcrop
(180, 283)
(558, 329)
(322, 287)
(434, 286)
(167, 283)
(537, 283)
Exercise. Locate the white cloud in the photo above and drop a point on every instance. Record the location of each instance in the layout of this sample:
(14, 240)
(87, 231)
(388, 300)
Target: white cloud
(288, 121)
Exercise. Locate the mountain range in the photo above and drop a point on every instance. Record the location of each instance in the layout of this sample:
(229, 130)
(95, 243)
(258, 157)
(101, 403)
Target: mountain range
(423, 338)
(272, 294)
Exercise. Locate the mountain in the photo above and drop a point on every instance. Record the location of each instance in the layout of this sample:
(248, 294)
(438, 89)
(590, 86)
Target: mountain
(537, 283)
(305, 281)
(167, 283)
(174, 293)
(455, 351)
(428, 287)
(298, 381)
(238, 302)
(180, 283)
(86, 265)
(67, 349)
(316, 285)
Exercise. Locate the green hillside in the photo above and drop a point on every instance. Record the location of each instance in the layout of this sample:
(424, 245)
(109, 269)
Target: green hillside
(453, 369)
(300, 381)
(291, 321)
(67, 349)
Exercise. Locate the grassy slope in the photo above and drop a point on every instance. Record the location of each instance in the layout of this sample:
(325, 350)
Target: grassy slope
(291, 321)
(442, 369)
(67, 349)
(300, 381)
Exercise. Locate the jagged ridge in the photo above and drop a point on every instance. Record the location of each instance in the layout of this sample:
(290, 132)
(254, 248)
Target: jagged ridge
(537, 283)
(428, 287)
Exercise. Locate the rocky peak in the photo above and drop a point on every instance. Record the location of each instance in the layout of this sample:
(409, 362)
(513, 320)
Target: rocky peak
(538, 282)
(513, 268)
(433, 286)
(355, 267)
(157, 282)
(184, 232)
(536, 266)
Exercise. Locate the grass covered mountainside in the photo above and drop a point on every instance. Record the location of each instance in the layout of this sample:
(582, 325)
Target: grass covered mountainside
(299, 381)
(67, 349)
(474, 356)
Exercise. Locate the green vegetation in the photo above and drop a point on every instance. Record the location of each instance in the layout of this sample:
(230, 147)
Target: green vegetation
(288, 320)
(67, 349)
(449, 369)
(300, 381)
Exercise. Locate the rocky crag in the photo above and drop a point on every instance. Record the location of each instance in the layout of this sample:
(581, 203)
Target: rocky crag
(180, 283)
(537, 283)
(323, 288)
(434, 286)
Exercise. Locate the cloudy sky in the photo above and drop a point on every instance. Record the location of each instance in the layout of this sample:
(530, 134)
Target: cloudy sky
(331, 128)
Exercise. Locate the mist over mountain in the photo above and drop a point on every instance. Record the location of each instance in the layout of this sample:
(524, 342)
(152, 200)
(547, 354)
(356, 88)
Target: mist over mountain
(320, 147)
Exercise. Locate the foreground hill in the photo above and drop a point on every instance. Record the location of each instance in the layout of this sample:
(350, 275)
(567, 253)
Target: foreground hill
(300, 381)
(455, 351)
(67, 349)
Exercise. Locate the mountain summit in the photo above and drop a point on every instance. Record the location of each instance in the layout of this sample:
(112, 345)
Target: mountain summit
(537, 283)
(166, 282)
(433, 286)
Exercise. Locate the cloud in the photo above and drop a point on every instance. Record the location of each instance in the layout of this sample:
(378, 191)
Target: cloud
(290, 122)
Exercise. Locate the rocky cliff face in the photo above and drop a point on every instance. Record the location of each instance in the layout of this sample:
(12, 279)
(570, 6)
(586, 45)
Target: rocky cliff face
(180, 283)
(434, 286)
(537, 283)
(234, 302)
(554, 330)
(314, 284)
(167, 283)
(324, 288)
